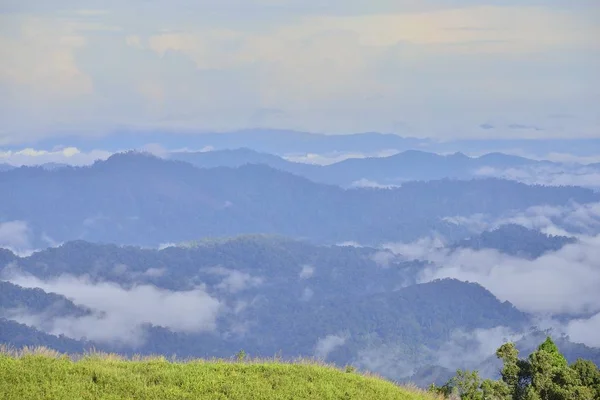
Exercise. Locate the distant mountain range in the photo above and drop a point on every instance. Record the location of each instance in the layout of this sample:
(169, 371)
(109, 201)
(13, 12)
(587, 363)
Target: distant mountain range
(392, 171)
(48, 166)
(286, 142)
(406, 166)
(134, 198)
(265, 140)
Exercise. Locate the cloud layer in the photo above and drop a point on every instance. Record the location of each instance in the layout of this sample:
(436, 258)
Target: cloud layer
(15, 236)
(563, 175)
(585, 331)
(67, 155)
(428, 68)
(565, 281)
(121, 314)
(328, 344)
(578, 220)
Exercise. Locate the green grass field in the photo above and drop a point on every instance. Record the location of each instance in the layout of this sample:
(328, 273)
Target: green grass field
(43, 375)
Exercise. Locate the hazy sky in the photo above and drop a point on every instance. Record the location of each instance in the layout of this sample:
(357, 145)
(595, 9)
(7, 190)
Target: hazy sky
(438, 68)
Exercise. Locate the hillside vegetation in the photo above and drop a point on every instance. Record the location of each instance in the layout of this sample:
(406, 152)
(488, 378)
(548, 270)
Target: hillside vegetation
(49, 376)
(280, 284)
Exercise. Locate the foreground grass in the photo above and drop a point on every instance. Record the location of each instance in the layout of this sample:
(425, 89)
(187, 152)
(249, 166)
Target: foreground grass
(35, 375)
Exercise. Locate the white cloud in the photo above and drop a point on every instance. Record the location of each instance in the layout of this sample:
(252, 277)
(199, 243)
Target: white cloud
(387, 359)
(133, 41)
(326, 345)
(40, 58)
(383, 258)
(15, 236)
(66, 155)
(563, 175)
(235, 281)
(307, 294)
(418, 250)
(307, 272)
(466, 350)
(335, 157)
(485, 29)
(326, 68)
(155, 272)
(121, 313)
(349, 244)
(585, 331)
(365, 183)
(565, 281)
(578, 220)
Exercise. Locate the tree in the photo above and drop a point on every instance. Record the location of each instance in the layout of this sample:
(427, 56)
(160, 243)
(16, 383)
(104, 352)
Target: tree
(557, 359)
(468, 385)
(589, 375)
(544, 375)
(516, 372)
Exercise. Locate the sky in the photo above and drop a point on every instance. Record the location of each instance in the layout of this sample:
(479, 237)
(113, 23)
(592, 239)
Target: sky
(445, 69)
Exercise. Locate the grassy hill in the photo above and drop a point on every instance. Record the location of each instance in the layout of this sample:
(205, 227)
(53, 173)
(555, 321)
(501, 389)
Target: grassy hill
(43, 374)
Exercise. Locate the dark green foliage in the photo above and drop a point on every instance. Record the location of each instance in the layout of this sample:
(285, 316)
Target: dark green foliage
(544, 375)
(529, 344)
(241, 356)
(469, 386)
(557, 360)
(588, 374)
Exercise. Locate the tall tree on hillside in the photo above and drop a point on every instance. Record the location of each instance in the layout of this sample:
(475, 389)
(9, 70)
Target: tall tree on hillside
(544, 375)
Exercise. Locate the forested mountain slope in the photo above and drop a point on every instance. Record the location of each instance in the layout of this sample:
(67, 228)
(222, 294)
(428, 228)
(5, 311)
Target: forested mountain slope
(139, 199)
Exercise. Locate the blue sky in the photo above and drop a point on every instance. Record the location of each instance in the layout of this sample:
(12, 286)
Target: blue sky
(442, 69)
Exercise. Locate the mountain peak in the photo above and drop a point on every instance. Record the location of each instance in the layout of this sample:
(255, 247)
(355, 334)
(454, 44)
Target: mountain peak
(129, 156)
(135, 160)
(460, 155)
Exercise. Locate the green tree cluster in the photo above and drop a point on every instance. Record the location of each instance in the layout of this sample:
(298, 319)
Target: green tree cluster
(544, 375)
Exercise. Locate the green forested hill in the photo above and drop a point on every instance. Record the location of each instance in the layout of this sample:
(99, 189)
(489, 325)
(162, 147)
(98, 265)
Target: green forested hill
(283, 283)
